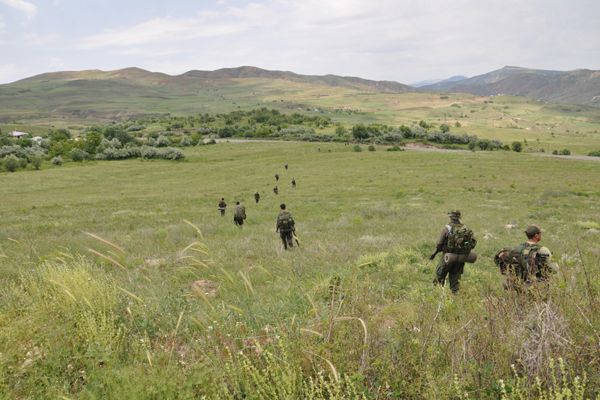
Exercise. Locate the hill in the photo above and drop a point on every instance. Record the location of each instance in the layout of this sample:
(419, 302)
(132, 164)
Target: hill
(580, 86)
(452, 79)
(106, 95)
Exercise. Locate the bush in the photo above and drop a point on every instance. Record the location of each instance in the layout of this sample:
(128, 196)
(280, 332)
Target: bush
(395, 148)
(79, 155)
(594, 153)
(36, 162)
(163, 141)
(57, 160)
(371, 147)
(516, 146)
(357, 148)
(12, 163)
(565, 152)
(171, 153)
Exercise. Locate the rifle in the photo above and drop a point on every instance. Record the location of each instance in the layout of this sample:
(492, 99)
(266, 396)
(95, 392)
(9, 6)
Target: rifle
(296, 238)
(432, 256)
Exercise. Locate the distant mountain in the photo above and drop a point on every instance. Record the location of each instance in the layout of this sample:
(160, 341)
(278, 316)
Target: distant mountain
(106, 95)
(141, 76)
(438, 81)
(573, 87)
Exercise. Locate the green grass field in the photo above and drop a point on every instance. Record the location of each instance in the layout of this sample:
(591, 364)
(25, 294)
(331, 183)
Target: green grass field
(85, 318)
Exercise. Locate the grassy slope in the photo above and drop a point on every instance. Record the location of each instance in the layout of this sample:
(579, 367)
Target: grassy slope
(369, 218)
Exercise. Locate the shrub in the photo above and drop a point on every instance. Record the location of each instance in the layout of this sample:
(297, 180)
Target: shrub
(79, 155)
(171, 153)
(163, 141)
(371, 147)
(57, 160)
(36, 162)
(516, 146)
(12, 163)
(594, 153)
(357, 148)
(565, 152)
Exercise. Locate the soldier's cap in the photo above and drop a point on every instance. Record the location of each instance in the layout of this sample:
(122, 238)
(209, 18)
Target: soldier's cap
(454, 213)
(532, 230)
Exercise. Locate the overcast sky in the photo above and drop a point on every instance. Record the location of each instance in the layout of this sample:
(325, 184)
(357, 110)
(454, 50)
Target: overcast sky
(400, 40)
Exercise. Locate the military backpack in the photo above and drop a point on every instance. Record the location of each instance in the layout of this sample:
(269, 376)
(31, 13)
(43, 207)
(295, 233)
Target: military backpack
(522, 261)
(285, 222)
(460, 239)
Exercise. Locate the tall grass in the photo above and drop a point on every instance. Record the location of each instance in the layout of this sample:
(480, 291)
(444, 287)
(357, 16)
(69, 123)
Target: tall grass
(352, 313)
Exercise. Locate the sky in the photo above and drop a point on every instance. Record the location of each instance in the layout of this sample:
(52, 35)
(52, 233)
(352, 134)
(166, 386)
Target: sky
(400, 40)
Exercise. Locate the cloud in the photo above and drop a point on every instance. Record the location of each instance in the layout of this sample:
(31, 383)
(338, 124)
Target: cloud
(399, 40)
(159, 30)
(28, 8)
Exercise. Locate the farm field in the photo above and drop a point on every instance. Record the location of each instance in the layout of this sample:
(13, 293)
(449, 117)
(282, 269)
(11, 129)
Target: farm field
(97, 261)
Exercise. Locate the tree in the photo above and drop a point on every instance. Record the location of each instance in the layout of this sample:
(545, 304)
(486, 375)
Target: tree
(444, 128)
(360, 132)
(516, 146)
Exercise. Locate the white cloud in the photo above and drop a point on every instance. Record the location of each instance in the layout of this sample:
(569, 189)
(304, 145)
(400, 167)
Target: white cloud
(159, 30)
(28, 8)
(399, 40)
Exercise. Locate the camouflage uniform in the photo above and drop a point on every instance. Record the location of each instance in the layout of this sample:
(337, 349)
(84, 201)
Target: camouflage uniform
(286, 232)
(239, 215)
(452, 270)
(222, 205)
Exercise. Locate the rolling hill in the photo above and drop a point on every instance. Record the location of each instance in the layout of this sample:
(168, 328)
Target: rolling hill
(580, 86)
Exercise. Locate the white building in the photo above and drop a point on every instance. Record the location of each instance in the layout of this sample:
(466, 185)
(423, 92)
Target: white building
(18, 134)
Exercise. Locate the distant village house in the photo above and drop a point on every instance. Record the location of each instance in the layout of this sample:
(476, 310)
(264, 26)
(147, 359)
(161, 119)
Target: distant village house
(18, 134)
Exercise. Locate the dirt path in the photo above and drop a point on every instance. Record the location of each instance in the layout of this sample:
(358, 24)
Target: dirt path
(413, 147)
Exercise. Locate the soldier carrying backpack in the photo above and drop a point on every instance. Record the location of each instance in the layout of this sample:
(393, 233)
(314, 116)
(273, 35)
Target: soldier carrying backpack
(456, 242)
(286, 227)
(239, 215)
(527, 263)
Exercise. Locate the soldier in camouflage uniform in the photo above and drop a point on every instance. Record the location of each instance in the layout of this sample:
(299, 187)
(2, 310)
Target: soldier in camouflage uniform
(534, 264)
(452, 270)
(239, 215)
(285, 227)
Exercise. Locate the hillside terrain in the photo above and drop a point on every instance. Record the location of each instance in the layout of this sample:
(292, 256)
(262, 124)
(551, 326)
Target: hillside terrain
(76, 100)
(570, 87)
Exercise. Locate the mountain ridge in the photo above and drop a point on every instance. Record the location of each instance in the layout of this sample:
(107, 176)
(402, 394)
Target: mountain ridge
(579, 86)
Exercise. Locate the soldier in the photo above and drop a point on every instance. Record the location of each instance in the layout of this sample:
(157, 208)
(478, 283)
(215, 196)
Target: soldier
(222, 206)
(256, 197)
(239, 215)
(293, 182)
(276, 177)
(286, 166)
(285, 227)
(456, 242)
(275, 190)
(528, 263)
